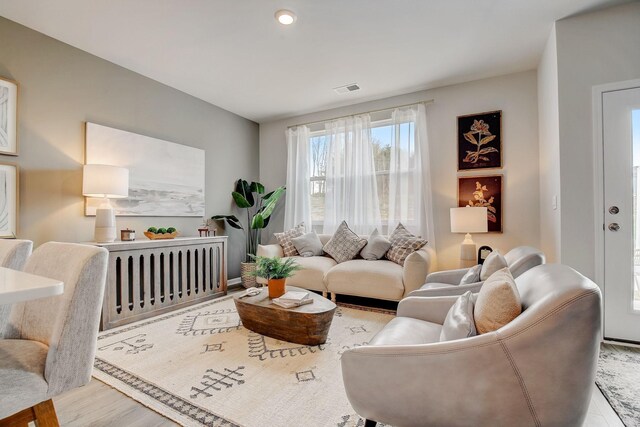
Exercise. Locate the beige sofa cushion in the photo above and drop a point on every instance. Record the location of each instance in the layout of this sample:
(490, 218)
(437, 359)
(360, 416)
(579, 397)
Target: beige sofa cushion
(498, 302)
(378, 279)
(312, 274)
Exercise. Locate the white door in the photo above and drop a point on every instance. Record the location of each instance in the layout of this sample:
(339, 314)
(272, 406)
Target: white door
(621, 143)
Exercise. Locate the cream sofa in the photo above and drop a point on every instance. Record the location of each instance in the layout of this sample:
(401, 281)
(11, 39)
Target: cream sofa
(381, 279)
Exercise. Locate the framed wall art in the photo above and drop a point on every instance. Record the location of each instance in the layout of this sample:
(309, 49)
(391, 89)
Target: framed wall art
(480, 141)
(8, 200)
(483, 191)
(8, 117)
(165, 178)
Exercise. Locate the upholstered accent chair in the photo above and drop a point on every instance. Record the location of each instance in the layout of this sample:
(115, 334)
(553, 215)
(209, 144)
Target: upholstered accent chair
(442, 283)
(13, 255)
(48, 345)
(538, 370)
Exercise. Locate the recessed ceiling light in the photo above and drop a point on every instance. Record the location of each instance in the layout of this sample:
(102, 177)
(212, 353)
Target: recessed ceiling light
(285, 17)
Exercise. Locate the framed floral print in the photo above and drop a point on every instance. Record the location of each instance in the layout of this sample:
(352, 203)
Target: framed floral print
(480, 141)
(8, 117)
(483, 191)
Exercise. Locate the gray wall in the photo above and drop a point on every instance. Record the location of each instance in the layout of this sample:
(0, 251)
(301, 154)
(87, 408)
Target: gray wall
(514, 94)
(593, 49)
(62, 87)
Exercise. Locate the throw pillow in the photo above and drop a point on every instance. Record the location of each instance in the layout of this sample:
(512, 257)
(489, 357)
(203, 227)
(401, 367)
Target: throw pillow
(403, 244)
(377, 246)
(344, 244)
(494, 262)
(498, 302)
(459, 321)
(308, 244)
(472, 276)
(285, 237)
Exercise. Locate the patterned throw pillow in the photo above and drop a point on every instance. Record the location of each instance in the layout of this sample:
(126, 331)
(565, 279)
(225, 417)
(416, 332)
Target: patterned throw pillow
(285, 237)
(403, 244)
(344, 244)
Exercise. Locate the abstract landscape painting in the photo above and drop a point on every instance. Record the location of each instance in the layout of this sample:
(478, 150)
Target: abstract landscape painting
(8, 200)
(8, 116)
(165, 179)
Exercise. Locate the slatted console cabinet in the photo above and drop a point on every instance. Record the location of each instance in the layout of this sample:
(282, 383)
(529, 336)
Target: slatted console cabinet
(150, 277)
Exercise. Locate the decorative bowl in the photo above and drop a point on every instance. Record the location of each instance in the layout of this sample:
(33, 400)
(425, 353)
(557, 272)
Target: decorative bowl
(154, 236)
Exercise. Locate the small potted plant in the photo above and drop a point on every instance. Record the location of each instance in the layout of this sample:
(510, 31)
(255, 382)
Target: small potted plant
(276, 271)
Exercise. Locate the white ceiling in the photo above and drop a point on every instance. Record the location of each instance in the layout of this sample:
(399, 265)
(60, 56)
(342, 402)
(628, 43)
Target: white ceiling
(233, 53)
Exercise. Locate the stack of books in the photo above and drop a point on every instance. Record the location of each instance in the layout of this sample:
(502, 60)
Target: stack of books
(293, 299)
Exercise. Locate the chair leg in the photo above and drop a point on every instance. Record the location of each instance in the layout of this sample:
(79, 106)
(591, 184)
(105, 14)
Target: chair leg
(370, 423)
(43, 414)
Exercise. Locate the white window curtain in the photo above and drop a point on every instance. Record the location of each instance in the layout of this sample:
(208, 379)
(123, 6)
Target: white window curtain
(351, 191)
(298, 198)
(409, 178)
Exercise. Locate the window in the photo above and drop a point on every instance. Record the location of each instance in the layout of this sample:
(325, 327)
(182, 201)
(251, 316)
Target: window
(366, 169)
(389, 142)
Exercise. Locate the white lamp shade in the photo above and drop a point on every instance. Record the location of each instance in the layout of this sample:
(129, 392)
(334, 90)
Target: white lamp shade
(469, 220)
(105, 181)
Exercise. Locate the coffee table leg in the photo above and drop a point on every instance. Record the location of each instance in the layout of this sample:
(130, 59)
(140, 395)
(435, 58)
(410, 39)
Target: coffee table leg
(324, 294)
(333, 297)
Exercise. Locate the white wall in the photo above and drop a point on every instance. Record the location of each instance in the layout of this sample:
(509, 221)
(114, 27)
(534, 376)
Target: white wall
(549, 135)
(593, 49)
(515, 95)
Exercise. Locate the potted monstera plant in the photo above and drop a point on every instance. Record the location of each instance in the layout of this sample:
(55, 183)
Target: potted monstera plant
(259, 206)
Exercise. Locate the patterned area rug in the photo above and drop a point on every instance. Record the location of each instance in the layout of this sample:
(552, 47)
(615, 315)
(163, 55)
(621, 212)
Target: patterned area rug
(199, 366)
(618, 377)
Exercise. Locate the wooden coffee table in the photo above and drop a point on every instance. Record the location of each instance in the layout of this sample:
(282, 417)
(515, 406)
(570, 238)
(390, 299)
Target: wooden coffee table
(308, 324)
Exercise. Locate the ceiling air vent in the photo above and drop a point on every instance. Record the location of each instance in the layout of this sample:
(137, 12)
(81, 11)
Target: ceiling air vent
(347, 88)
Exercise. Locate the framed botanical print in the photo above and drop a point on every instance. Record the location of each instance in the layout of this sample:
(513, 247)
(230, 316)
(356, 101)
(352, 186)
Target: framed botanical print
(480, 141)
(483, 191)
(8, 200)
(8, 117)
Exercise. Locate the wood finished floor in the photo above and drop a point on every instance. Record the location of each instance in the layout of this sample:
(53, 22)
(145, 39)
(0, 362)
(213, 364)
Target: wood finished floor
(99, 405)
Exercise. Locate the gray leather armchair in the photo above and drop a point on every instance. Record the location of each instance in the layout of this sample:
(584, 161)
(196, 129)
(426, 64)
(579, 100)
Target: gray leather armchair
(442, 283)
(538, 370)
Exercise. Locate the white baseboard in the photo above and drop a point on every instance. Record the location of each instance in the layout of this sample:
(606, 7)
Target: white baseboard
(235, 282)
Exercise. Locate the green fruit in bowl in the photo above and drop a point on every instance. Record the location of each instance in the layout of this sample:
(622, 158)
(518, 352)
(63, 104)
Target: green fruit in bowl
(171, 230)
(152, 230)
(162, 230)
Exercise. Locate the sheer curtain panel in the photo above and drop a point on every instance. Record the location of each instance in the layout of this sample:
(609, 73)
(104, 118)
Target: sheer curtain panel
(298, 199)
(351, 190)
(409, 195)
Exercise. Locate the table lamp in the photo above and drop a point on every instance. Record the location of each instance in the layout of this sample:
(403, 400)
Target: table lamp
(107, 182)
(468, 220)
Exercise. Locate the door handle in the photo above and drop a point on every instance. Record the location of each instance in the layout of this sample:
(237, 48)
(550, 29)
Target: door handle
(614, 226)
(613, 210)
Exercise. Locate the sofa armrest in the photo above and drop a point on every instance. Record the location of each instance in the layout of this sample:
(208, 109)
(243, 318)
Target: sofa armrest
(409, 381)
(416, 268)
(432, 310)
(270, 251)
(447, 291)
(451, 277)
